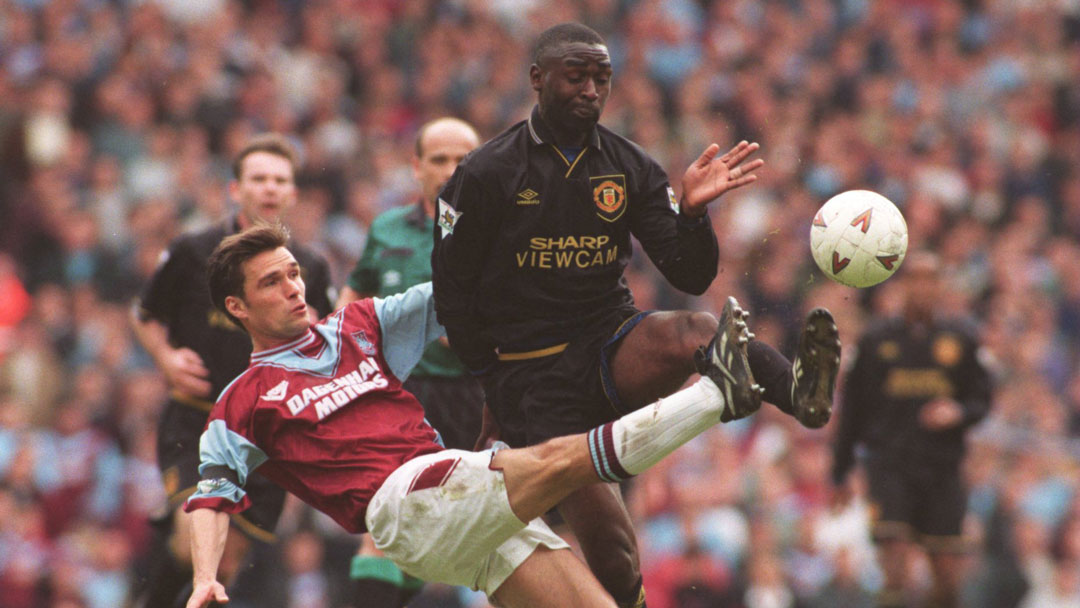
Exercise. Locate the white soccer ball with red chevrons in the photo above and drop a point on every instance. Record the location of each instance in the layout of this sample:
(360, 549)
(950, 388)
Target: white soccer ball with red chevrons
(858, 238)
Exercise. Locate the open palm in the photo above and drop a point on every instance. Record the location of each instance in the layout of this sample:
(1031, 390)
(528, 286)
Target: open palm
(708, 177)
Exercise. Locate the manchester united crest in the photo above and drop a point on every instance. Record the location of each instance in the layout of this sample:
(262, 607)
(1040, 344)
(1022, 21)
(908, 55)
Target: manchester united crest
(609, 194)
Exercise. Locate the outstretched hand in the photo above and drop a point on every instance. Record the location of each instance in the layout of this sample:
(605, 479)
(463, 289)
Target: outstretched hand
(708, 177)
(204, 593)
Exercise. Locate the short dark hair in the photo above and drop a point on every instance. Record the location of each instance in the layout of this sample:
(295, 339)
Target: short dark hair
(271, 143)
(225, 269)
(564, 33)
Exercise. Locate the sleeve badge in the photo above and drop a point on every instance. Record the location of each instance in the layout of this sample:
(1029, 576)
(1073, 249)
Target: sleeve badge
(448, 217)
(674, 202)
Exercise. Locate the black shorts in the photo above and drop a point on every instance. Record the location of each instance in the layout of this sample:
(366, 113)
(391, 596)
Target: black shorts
(926, 505)
(179, 430)
(568, 392)
(452, 405)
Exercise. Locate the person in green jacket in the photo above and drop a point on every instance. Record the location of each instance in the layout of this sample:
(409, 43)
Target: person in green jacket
(397, 256)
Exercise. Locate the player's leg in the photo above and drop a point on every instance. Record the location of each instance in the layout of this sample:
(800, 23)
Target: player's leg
(600, 522)
(448, 503)
(540, 476)
(892, 556)
(942, 503)
(657, 355)
(552, 578)
(596, 513)
(948, 569)
(893, 513)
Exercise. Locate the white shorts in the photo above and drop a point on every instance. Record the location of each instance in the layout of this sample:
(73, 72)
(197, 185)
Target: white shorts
(446, 518)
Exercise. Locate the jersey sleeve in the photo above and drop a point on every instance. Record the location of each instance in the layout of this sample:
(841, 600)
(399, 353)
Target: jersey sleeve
(227, 458)
(364, 278)
(684, 250)
(161, 294)
(408, 324)
(465, 229)
(860, 386)
(975, 389)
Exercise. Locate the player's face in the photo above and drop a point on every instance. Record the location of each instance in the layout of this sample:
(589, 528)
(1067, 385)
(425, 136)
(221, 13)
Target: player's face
(442, 147)
(272, 308)
(923, 288)
(266, 188)
(573, 83)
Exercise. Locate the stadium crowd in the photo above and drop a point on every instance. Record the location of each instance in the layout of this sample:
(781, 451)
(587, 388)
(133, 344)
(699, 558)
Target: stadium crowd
(117, 120)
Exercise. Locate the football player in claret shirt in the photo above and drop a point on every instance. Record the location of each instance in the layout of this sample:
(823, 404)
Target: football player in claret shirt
(321, 412)
(199, 351)
(533, 235)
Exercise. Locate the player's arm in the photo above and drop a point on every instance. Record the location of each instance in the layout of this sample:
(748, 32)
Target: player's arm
(465, 229)
(209, 529)
(408, 324)
(183, 368)
(684, 249)
(227, 458)
(859, 390)
(976, 388)
(710, 176)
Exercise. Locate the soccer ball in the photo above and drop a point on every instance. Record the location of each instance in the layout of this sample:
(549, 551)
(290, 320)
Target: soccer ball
(858, 238)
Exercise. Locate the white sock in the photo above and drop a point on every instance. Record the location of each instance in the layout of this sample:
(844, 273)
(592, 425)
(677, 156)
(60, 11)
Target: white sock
(638, 440)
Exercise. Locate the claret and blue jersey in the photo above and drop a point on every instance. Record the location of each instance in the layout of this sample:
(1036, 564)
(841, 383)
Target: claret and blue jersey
(325, 415)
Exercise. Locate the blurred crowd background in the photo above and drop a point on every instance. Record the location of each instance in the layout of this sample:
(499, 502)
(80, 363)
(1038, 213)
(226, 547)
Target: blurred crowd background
(118, 119)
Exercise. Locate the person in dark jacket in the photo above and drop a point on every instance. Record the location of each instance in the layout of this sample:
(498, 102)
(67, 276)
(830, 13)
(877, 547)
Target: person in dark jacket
(533, 233)
(917, 385)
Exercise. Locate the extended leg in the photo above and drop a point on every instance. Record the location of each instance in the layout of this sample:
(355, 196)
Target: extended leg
(552, 579)
(658, 355)
(541, 476)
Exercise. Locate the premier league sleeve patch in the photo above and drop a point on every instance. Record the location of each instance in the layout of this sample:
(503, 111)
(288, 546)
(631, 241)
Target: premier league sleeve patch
(674, 202)
(448, 218)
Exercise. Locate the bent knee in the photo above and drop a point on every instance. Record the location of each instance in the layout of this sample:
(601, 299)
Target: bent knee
(611, 549)
(617, 570)
(698, 329)
(678, 336)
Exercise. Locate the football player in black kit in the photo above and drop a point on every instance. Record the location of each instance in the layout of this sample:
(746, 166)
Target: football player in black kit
(532, 237)
(915, 388)
(200, 351)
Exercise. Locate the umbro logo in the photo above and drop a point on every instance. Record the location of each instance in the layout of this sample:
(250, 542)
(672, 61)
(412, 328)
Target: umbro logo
(278, 392)
(528, 197)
